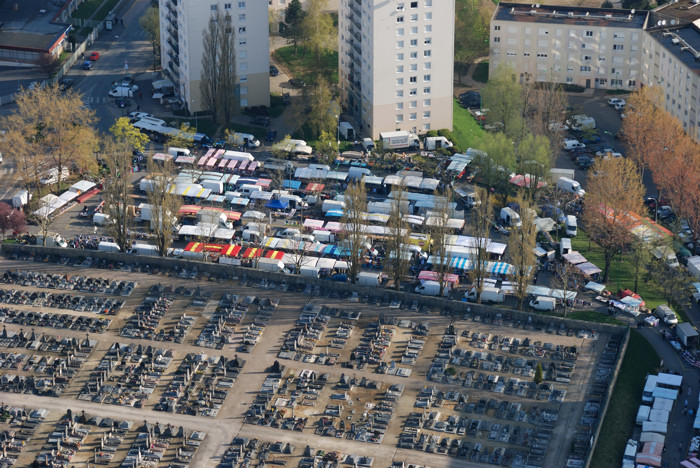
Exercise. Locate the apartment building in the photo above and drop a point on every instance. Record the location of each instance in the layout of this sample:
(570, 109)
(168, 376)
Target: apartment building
(589, 47)
(671, 60)
(182, 25)
(396, 64)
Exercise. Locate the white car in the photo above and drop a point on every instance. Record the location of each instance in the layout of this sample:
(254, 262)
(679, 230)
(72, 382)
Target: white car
(619, 106)
(134, 116)
(615, 101)
(558, 127)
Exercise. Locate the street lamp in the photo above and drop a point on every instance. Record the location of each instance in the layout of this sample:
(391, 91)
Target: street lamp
(337, 132)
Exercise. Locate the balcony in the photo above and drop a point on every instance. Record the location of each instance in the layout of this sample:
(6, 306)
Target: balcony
(174, 57)
(172, 9)
(173, 45)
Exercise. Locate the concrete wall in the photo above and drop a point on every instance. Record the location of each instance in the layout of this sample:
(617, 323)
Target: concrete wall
(451, 306)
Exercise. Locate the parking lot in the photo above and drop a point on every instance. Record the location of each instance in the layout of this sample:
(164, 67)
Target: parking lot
(325, 372)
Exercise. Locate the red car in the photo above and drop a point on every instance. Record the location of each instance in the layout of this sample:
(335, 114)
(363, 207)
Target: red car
(95, 56)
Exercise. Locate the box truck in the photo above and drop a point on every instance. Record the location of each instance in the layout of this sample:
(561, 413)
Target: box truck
(144, 249)
(543, 303)
(487, 295)
(510, 218)
(467, 195)
(347, 131)
(310, 271)
(399, 140)
(21, 198)
(432, 288)
(365, 278)
(105, 246)
(270, 264)
(570, 186)
(571, 226)
(52, 240)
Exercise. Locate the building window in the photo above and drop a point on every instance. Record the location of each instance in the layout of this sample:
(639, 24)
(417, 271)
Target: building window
(589, 33)
(243, 42)
(413, 67)
(243, 66)
(413, 79)
(618, 35)
(428, 28)
(399, 19)
(585, 68)
(213, 7)
(244, 102)
(427, 41)
(426, 102)
(244, 78)
(241, 30)
(399, 6)
(399, 81)
(399, 93)
(414, 29)
(412, 116)
(414, 4)
(399, 44)
(615, 82)
(399, 69)
(414, 55)
(586, 58)
(426, 78)
(244, 90)
(414, 42)
(632, 83)
(428, 16)
(496, 39)
(227, 6)
(413, 104)
(569, 79)
(426, 53)
(399, 117)
(426, 114)
(428, 3)
(399, 32)
(241, 4)
(399, 57)
(414, 18)
(413, 92)
(241, 17)
(497, 28)
(618, 47)
(427, 65)
(399, 106)
(426, 90)
(243, 54)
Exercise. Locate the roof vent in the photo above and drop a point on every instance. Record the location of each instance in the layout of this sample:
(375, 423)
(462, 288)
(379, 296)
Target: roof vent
(537, 5)
(633, 10)
(675, 40)
(663, 23)
(571, 13)
(673, 22)
(532, 12)
(587, 13)
(608, 17)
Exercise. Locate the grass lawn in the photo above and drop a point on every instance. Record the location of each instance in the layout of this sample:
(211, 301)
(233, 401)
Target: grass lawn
(621, 274)
(593, 316)
(303, 64)
(481, 73)
(466, 131)
(619, 421)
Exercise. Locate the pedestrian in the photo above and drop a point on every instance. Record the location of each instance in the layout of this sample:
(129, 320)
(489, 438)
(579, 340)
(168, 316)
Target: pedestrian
(94, 229)
(685, 403)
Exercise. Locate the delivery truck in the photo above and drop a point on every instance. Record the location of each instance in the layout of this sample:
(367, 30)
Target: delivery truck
(270, 264)
(365, 278)
(432, 288)
(488, 294)
(433, 143)
(346, 130)
(399, 140)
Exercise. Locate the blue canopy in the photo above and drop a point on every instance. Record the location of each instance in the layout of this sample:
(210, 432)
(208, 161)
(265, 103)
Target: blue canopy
(334, 213)
(291, 184)
(275, 204)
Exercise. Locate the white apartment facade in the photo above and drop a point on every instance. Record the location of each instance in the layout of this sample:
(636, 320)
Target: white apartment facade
(589, 47)
(396, 64)
(182, 24)
(672, 61)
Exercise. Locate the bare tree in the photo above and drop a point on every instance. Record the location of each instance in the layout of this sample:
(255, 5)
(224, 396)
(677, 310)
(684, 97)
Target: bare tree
(399, 231)
(354, 230)
(164, 204)
(566, 278)
(438, 234)
(218, 84)
(43, 219)
(150, 23)
(482, 227)
(521, 246)
(117, 192)
(614, 194)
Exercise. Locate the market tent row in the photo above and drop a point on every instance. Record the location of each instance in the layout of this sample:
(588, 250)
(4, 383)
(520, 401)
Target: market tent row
(534, 290)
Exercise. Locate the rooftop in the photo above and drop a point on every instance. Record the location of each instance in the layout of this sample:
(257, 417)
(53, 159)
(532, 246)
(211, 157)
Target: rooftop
(681, 12)
(27, 24)
(571, 15)
(683, 42)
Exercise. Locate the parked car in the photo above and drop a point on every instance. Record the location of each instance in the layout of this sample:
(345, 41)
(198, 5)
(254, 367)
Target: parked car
(286, 99)
(271, 135)
(87, 65)
(470, 99)
(65, 84)
(615, 101)
(274, 71)
(94, 57)
(260, 120)
(297, 83)
(584, 162)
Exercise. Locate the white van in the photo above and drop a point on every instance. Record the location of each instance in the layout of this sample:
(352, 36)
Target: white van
(368, 144)
(571, 226)
(175, 152)
(432, 288)
(325, 237)
(571, 144)
(288, 233)
(108, 247)
(564, 246)
(488, 294)
(121, 91)
(571, 186)
(246, 139)
(310, 271)
(100, 219)
(543, 303)
(510, 218)
(365, 278)
(666, 314)
(667, 255)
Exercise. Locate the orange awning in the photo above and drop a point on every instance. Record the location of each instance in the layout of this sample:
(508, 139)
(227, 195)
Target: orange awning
(194, 247)
(189, 210)
(252, 252)
(274, 254)
(231, 250)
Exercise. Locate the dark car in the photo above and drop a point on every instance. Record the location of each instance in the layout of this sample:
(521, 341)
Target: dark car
(271, 135)
(286, 99)
(274, 71)
(87, 65)
(591, 139)
(297, 83)
(470, 99)
(65, 84)
(260, 120)
(584, 162)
